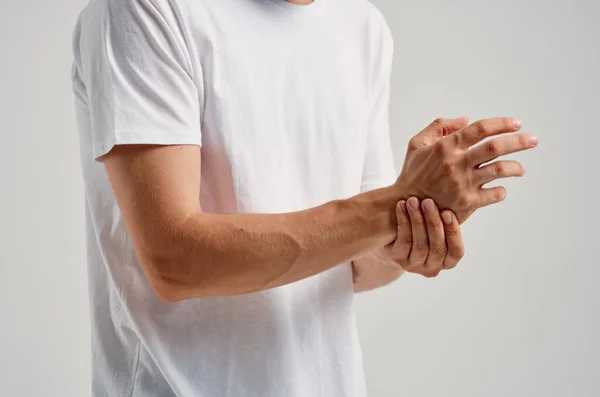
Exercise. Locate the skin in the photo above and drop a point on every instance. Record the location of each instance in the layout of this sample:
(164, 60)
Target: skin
(424, 245)
(383, 266)
(377, 269)
(300, 2)
(187, 253)
(428, 241)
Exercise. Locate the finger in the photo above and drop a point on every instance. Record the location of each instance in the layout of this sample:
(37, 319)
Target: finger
(491, 195)
(403, 243)
(497, 170)
(435, 131)
(500, 147)
(454, 240)
(437, 240)
(481, 129)
(420, 241)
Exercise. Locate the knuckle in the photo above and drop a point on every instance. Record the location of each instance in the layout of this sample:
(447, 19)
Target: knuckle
(434, 223)
(438, 251)
(413, 144)
(464, 202)
(455, 184)
(400, 259)
(469, 201)
(499, 168)
(479, 127)
(473, 201)
(491, 148)
(448, 168)
(450, 230)
(418, 220)
(440, 149)
(523, 142)
(405, 241)
(420, 250)
(438, 121)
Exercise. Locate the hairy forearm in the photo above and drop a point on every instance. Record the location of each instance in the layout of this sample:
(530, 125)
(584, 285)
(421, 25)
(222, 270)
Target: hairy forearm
(374, 270)
(230, 254)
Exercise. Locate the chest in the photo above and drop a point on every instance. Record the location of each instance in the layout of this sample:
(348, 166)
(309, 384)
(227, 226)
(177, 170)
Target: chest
(295, 85)
(284, 109)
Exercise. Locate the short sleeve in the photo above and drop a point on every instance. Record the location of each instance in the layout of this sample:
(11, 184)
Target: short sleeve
(379, 169)
(138, 75)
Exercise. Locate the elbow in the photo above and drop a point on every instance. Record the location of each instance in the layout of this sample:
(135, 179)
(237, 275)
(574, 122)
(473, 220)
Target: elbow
(174, 279)
(167, 277)
(167, 294)
(166, 287)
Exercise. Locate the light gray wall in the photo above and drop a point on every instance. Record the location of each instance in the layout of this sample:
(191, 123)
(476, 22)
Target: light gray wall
(519, 317)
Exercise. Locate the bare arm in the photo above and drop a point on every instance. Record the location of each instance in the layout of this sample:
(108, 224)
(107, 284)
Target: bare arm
(422, 245)
(428, 242)
(374, 270)
(187, 253)
(425, 251)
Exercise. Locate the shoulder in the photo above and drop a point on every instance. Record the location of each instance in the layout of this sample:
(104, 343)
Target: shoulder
(123, 11)
(116, 19)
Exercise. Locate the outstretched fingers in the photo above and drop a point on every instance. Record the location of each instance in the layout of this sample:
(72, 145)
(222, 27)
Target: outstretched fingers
(435, 131)
(502, 146)
(497, 170)
(482, 129)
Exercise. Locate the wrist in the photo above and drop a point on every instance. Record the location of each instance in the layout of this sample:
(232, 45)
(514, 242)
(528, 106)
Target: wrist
(379, 206)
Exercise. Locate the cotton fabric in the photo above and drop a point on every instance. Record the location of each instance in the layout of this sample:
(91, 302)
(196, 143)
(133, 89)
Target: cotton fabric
(289, 104)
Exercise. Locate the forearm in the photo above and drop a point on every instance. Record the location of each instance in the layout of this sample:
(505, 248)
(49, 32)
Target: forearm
(230, 254)
(374, 270)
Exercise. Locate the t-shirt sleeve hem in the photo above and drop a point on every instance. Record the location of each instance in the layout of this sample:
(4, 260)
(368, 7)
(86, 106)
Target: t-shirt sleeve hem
(144, 138)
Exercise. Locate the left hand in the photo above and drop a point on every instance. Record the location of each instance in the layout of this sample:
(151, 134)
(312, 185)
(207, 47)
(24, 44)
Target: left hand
(428, 241)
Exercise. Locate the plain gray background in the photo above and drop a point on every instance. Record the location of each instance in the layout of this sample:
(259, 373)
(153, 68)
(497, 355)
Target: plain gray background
(520, 316)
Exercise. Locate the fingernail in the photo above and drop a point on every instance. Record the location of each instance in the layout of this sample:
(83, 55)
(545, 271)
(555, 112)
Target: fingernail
(447, 217)
(429, 205)
(403, 206)
(517, 123)
(533, 140)
(414, 203)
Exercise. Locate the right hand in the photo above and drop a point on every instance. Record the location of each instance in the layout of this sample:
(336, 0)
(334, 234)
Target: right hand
(441, 164)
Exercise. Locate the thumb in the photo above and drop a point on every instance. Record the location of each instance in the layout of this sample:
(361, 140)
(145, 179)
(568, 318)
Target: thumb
(435, 131)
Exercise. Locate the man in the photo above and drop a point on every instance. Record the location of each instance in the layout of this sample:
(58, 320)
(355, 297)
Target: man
(239, 175)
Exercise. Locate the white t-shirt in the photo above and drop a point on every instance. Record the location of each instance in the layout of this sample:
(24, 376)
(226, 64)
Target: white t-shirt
(290, 106)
